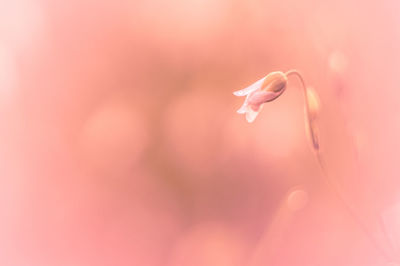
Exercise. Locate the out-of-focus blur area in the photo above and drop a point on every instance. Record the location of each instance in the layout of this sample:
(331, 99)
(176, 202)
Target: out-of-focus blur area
(120, 143)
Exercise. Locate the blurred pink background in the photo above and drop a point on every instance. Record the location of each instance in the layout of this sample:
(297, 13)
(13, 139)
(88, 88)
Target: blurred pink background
(120, 142)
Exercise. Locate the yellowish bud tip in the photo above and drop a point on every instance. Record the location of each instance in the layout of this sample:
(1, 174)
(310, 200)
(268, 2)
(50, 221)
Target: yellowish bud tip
(313, 102)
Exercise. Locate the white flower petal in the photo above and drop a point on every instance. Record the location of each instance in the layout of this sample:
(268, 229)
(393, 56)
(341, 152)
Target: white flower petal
(242, 110)
(251, 114)
(255, 86)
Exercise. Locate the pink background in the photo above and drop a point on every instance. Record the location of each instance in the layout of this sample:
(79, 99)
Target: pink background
(120, 143)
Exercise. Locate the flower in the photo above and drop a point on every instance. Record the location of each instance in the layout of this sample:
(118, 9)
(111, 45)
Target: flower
(265, 90)
(271, 87)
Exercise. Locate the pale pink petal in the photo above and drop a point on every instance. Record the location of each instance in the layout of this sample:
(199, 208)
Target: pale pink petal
(251, 88)
(251, 114)
(260, 97)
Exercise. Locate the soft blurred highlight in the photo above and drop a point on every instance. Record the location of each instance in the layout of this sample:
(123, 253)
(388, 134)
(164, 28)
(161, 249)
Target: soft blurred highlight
(120, 142)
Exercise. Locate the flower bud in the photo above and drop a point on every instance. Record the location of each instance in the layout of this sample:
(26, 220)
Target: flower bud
(275, 82)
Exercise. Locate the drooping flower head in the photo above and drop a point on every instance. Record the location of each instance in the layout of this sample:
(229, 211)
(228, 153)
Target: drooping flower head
(265, 90)
(271, 87)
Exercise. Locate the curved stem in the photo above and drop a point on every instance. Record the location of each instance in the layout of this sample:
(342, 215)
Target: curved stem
(310, 127)
(312, 130)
